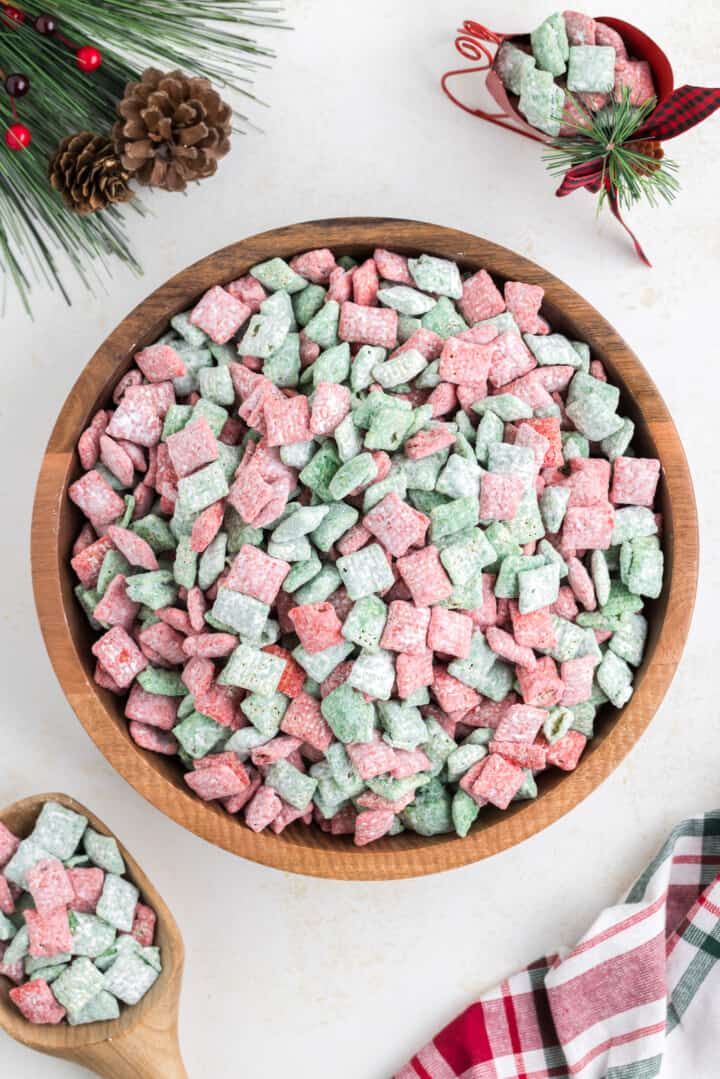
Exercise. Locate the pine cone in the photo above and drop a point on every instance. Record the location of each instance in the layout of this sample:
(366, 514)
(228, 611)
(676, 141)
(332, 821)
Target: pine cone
(649, 148)
(173, 128)
(87, 172)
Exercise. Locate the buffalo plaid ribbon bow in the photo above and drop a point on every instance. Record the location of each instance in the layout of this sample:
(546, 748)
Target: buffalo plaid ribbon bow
(683, 109)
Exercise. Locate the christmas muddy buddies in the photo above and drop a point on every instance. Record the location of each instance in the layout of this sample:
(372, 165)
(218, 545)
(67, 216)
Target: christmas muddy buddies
(366, 544)
(75, 937)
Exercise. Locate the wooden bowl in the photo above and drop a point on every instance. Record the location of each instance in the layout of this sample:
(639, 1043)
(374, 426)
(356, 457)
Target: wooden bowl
(308, 850)
(143, 1042)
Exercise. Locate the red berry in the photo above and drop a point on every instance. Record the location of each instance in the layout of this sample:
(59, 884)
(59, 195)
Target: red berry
(18, 137)
(14, 14)
(88, 58)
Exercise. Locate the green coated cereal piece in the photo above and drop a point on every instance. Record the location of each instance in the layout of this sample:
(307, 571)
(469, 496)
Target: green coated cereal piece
(553, 504)
(628, 640)
(550, 45)
(297, 550)
(374, 673)
(217, 385)
(215, 414)
(642, 565)
(319, 472)
(185, 564)
(600, 576)
(302, 572)
(615, 445)
(47, 963)
(429, 378)
(510, 460)
(194, 359)
(558, 723)
(574, 445)
(507, 583)
(570, 638)
(116, 905)
(615, 679)
(223, 354)
(339, 518)
(91, 936)
(461, 475)
(444, 319)
(321, 587)
(264, 335)
(402, 369)
(275, 275)
(466, 597)
(420, 697)
(465, 559)
(541, 101)
(471, 671)
(283, 365)
(501, 539)
(395, 481)
(407, 326)
(254, 670)
(298, 454)
(347, 439)
(538, 587)
(550, 554)
(406, 300)
(392, 789)
(481, 736)
(292, 785)
(301, 521)
(199, 734)
(356, 472)
(430, 813)
(464, 810)
(186, 707)
(439, 745)
(88, 598)
(365, 410)
(244, 741)
(280, 305)
(154, 589)
(528, 788)
(246, 615)
(103, 851)
(584, 718)
(59, 829)
(322, 664)
(552, 348)
(585, 385)
(497, 682)
(593, 418)
(199, 490)
(159, 680)
(631, 523)
(238, 533)
(454, 516)
(591, 69)
(182, 521)
(7, 928)
(129, 978)
(154, 530)
(403, 725)
(347, 262)
(506, 406)
(527, 524)
(78, 984)
(109, 477)
(389, 427)
(365, 571)
(583, 350)
(439, 276)
(323, 326)
(343, 771)
(425, 501)
(192, 334)
(361, 372)
(489, 431)
(212, 561)
(463, 758)
(350, 716)
(502, 322)
(511, 63)
(113, 563)
(20, 944)
(127, 516)
(365, 623)
(103, 1007)
(332, 365)
(308, 302)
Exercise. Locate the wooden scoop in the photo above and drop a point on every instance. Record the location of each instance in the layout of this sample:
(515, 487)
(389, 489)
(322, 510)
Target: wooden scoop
(143, 1042)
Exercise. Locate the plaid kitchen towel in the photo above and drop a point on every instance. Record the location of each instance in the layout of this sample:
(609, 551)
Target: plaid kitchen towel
(637, 997)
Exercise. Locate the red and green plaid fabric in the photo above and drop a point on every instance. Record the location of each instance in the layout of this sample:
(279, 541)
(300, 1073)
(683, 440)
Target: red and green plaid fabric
(637, 997)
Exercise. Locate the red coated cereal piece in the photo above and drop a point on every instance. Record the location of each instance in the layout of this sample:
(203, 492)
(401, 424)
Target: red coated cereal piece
(96, 498)
(158, 396)
(153, 739)
(49, 933)
(287, 815)
(442, 400)
(589, 481)
(219, 314)
(371, 824)
(487, 614)
(468, 781)
(120, 657)
(635, 481)
(413, 672)
(143, 928)
(463, 362)
(317, 626)
(577, 677)
(155, 709)
(207, 526)
(427, 442)
(371, 758)
(144, 498)
(232, 431)
(339, 289)
(87, 886)
(397, 525)
(304, 720)
(479, 335)
(370, 800)
(249, 291)
(376, 326)
(116, 608)
(250, 495)
(498, 782)
(198, 675)
(530, 389)
(212, 645)
(480, 299)
(130, 378)
(450, 693)
(636, 75)
(424, 575)
(524, 302)
(257, 574)
(315, 266)
(549, 428)
(500, 496)
(533, 440)
(218, 702)
(511, 359)
(196, 606)
(137, 550)
(392, 267)
(114, 457)
(406, 628)
(49, 885)
(449, 632)
(580, 28)
(566, 752)
(589, 526)
(7, 902)
(523, 754)
(581, 583)
(365, 284)
(36, 1002)
(192, 447)
(159, 363)
(293, 677)
(84, 538)
(136, 419)
(14, 971)
(428, 343)
(89, 447)
(102, 678)
(408, 762)
(505, 646)
(597, 370)
(540, 687)
(135, 453)
(218, 781)
(565, 605)
(331, 404)
(262, 809)
(335, 678)
(520, 723)
(165, 641)
(355, 538)
(533, 630)
(287, 420)
(88, 563)
(239, 801)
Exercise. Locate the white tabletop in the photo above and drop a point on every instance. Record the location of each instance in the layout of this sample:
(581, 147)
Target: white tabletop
(310, 978)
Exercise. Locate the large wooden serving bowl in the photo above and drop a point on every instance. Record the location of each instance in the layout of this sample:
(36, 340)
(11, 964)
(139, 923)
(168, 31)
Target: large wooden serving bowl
(308, 850)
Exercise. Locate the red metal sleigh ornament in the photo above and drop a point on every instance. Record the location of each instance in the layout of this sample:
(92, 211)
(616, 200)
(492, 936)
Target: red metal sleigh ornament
(676, 111)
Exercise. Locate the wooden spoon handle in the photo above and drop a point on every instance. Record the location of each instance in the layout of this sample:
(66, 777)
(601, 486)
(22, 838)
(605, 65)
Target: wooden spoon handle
(146, 1052)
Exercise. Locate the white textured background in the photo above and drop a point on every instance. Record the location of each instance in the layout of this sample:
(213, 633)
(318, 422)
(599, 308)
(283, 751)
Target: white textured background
(310, 978)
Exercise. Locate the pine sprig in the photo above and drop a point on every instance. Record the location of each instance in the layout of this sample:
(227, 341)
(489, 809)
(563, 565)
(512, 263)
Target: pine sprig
(606, 135)
(201, 37)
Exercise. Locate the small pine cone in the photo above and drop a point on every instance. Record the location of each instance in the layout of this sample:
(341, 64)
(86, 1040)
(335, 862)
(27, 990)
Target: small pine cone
(88, 173)
(173, 128)
(648, 148)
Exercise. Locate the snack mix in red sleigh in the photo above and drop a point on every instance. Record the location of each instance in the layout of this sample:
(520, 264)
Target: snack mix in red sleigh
(366, 545)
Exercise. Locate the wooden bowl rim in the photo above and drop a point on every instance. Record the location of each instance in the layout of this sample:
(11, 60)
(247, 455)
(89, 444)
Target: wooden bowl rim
(62, 1037)
(309, 851)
